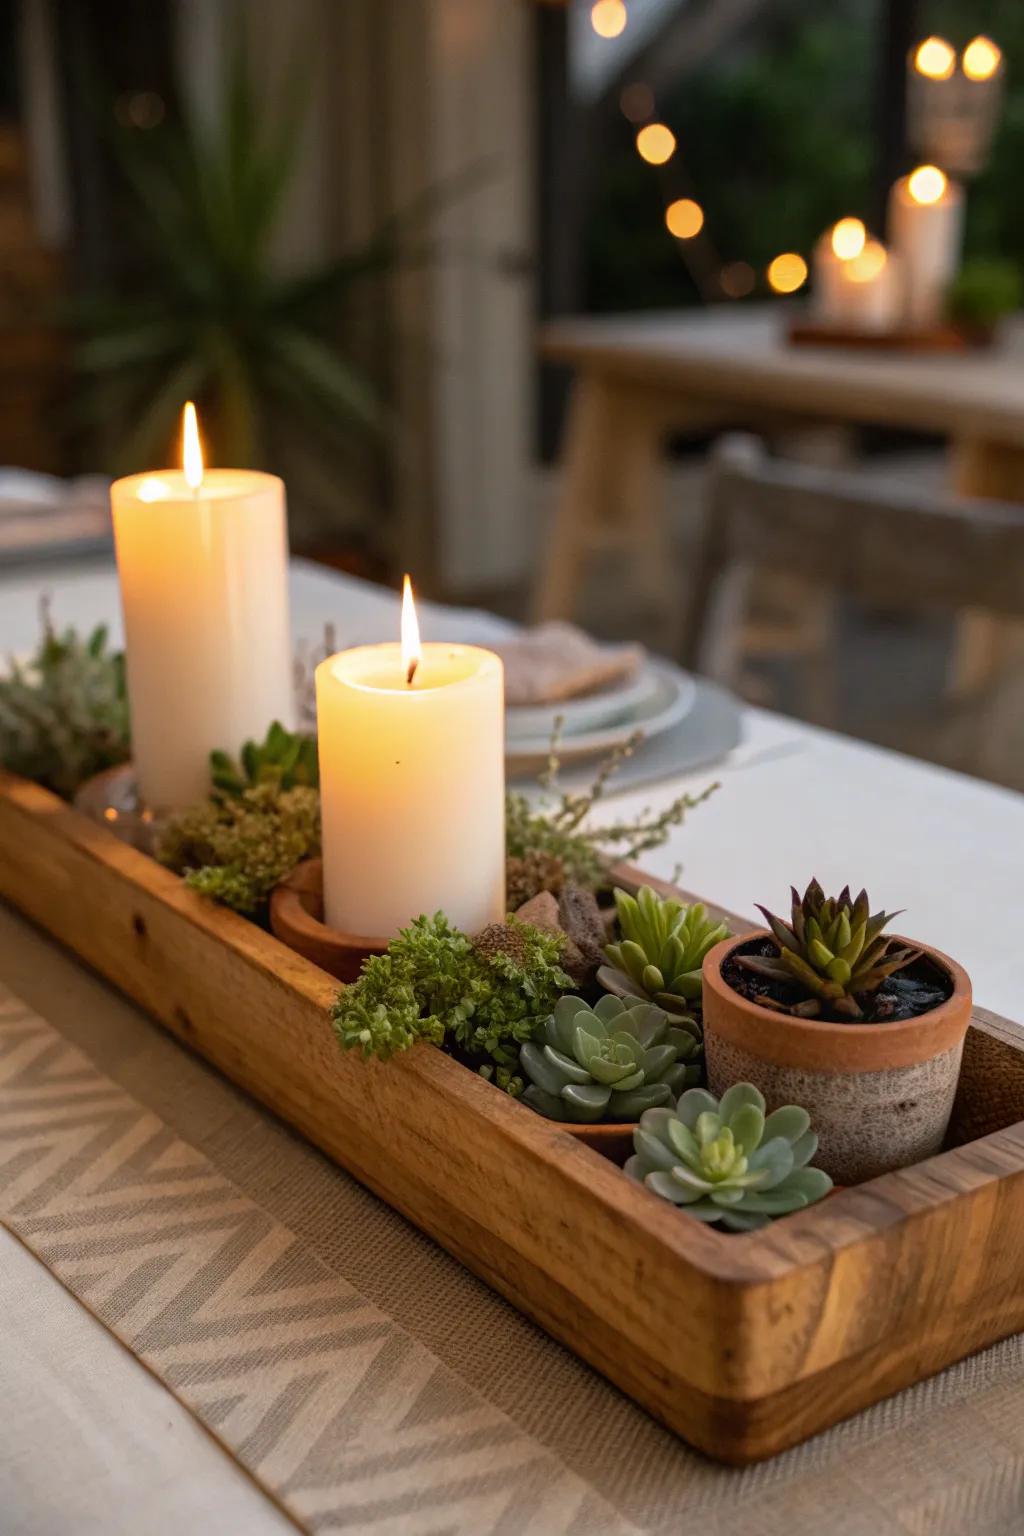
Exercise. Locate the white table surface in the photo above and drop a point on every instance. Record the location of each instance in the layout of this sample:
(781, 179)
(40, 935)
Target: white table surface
(794, 802)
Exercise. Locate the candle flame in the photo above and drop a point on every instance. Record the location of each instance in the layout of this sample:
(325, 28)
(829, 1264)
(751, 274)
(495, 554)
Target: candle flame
(412, 651)
(927, 184)
(869, 264)
(191, 449)
(848, 237)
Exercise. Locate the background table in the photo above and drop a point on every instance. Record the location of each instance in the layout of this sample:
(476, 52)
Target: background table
(639, 378)
(96, 1444)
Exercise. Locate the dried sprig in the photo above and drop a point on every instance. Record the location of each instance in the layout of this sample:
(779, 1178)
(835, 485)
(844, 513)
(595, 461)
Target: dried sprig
(558, 829)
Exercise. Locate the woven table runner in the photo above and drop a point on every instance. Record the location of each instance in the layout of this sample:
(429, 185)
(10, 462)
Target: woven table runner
(363, 1377)
(332, 1407)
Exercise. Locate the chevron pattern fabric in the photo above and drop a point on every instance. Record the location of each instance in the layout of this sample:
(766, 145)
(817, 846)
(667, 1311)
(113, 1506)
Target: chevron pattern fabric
(342, 1416)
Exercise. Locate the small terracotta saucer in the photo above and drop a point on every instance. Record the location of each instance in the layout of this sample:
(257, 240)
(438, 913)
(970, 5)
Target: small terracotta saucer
(297, 919)
(612, 1141)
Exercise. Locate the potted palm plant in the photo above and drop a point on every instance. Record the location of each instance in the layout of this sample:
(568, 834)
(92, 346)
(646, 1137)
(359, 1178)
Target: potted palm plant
(863, 1029)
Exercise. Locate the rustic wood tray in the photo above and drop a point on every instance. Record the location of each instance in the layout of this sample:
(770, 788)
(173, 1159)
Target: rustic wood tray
(742, 1344)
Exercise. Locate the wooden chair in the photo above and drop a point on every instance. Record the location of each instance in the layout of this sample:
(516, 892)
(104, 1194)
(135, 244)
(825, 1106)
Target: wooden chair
(835, 533)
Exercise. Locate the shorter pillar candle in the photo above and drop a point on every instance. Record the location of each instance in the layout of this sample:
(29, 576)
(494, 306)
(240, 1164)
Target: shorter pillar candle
(412, 787)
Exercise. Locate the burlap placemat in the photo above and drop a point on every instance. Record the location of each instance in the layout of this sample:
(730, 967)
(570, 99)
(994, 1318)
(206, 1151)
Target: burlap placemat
(360, 1374)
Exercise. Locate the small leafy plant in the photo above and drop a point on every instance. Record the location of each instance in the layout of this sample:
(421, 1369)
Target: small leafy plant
(283, 758)
(984, 290)
(64, 714)
(481, 998)
(726, 1162)
(833, 950)
(662, 947)
(234, 848)
(610, 1062)
(551, 843)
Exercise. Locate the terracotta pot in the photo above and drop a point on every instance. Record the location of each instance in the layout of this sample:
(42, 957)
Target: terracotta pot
(297, 919)
(879, 1095)
(612, 1141)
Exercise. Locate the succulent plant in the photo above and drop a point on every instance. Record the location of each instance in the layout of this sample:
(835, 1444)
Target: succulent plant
(726, 1161)
(662, 946)
(607, 1063)
(64, 713)
(285, 759)
(833, 949)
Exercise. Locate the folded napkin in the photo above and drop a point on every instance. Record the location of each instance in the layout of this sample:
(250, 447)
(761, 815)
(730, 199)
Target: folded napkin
(557, 661)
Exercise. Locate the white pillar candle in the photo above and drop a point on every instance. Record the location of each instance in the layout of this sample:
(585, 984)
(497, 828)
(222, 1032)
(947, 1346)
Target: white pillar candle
(872, 292)
(926, 217)
(203, 565)
(839, 245)
(412, 785)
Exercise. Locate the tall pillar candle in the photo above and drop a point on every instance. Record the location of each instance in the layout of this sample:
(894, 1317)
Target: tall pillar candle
(412, 787)
(204, 591)
(926, 218)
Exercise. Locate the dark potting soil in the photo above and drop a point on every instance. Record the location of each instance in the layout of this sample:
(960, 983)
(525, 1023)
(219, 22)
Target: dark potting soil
(917, 989)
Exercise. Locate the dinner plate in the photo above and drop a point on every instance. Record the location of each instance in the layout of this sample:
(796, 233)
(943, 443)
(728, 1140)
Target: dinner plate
(670, 698)
(584, 714)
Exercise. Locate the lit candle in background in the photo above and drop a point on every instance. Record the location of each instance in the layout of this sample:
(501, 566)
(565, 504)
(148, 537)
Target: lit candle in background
(952, 112)
(202, 557)
(926, 216)
(412, 783)
(838, 245)
(871, 289)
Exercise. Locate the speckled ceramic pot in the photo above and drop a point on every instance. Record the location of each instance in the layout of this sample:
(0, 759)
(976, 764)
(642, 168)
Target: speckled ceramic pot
(879, 1095)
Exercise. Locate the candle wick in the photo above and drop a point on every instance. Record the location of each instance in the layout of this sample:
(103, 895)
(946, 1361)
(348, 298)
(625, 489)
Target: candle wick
(412, 671)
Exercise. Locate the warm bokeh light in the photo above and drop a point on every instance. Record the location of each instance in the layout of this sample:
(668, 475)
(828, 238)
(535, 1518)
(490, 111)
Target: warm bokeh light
(737, 279)
(935, 58)
(867, 266)
(981, 59)
(608, 17)
(151, 489)
(656, 144)
(637, 101)
(927, 184)
(191, 451)
(684, 218)
(412, 651)
(787, 273)
(848, 237)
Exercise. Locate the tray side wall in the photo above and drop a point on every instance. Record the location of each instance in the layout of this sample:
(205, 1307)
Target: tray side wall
(742, 1345)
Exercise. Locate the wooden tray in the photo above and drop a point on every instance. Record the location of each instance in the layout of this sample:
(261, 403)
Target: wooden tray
(742, 1344)
(935, 338)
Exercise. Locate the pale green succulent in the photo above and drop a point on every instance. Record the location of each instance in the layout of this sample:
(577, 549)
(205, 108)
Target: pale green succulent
(611, 1062)
(725, 1161)
(662, 947)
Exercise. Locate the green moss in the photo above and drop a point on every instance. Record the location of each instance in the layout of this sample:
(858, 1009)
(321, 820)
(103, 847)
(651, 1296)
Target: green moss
(235, 848)
(481, 998)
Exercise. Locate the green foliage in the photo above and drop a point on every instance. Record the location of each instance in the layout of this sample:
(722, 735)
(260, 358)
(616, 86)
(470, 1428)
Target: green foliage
(725, 1162)
(209, 316)
(64, 714)
(549, 841)
(833, 949)
(662, 947)
(283, 758)
(480, 998)
(984, 290)
(235, 848)
(610, 1062)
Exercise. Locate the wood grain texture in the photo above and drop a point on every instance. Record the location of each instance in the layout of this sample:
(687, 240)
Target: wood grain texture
(744, 1345)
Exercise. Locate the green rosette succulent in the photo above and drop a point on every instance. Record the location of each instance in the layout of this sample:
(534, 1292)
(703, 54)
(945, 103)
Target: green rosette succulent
(833, 949)
(286, 759)
(726, 1162)
(662, 947)
(610, 1062)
